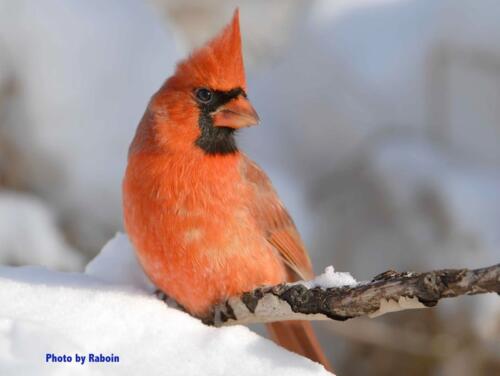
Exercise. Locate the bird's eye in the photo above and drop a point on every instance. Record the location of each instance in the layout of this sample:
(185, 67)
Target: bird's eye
(204, 95)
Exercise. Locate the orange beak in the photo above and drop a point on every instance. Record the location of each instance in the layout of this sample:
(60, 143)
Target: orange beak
(237, 113)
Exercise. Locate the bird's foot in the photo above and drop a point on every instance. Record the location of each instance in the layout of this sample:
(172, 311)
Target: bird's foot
(168, 300)
(161, 295)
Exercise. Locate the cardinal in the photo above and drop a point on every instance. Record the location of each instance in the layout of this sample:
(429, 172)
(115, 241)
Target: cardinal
(204, 219)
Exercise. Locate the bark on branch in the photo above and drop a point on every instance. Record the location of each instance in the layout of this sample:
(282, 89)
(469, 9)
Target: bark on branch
(387, 292)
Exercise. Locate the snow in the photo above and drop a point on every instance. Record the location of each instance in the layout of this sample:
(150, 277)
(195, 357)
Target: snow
(116, 264)
(110, 309)
(330, 278)
(29, 234)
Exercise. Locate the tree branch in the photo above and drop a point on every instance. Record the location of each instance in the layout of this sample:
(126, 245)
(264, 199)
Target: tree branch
(387, 292)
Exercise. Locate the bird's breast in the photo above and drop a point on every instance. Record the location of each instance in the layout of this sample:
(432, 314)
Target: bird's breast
(194, 233)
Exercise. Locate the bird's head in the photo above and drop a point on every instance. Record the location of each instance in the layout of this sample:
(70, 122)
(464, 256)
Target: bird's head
(205, 101)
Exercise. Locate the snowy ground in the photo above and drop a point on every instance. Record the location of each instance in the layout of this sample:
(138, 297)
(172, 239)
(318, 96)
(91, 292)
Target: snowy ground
(110, 309)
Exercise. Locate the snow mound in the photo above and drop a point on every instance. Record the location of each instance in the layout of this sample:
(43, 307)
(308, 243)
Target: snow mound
(29, 234)
(330, 278)
(117, 264)
(110, 310)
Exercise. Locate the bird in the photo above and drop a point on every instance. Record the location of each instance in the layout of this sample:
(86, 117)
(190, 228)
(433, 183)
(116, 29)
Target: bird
(204, 219)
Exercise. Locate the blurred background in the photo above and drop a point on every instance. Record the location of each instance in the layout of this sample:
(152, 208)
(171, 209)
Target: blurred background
(380, 129)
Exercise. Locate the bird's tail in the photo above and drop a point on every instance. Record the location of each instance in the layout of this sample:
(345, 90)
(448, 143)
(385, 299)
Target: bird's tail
(299, 337)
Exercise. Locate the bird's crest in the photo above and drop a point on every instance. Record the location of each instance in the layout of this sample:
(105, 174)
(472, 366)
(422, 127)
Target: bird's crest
(217, 65)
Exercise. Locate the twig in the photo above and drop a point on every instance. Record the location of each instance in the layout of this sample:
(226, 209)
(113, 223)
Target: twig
(387, 292)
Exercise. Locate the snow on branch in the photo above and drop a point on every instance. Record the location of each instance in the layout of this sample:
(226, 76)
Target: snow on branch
(387, 292)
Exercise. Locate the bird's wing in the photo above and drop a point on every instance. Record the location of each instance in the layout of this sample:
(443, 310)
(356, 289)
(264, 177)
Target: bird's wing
(280, 231)
(275, 222)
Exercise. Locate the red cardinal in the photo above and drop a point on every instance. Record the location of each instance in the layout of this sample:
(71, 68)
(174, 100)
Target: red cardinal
(204, 219)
